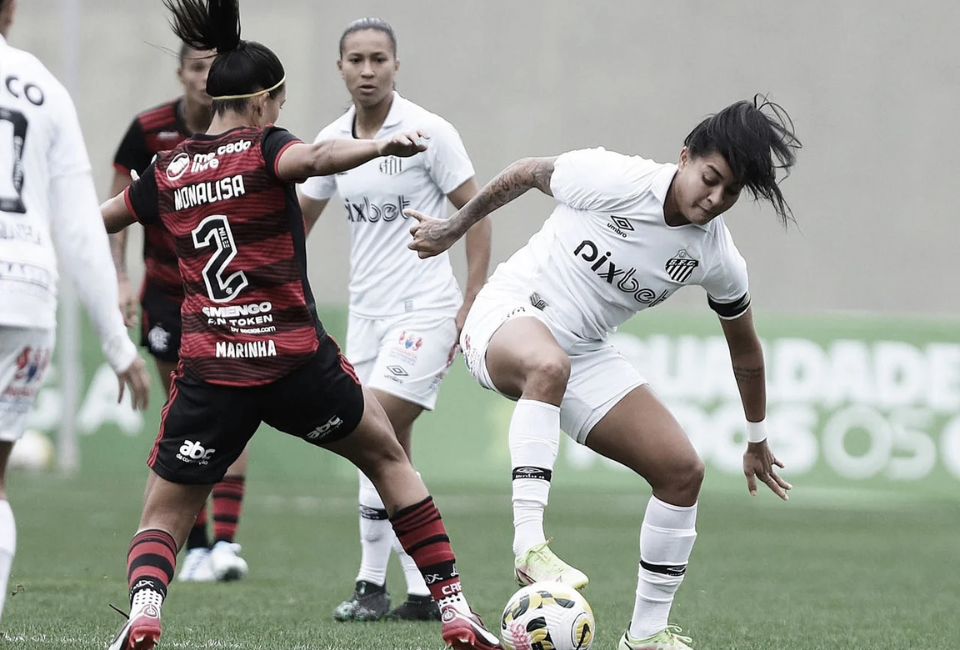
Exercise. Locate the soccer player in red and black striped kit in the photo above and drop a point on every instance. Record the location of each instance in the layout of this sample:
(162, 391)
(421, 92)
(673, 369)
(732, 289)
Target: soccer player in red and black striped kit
(160, 129)
(253, 348)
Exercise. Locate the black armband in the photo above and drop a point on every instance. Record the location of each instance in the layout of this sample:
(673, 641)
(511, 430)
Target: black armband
(730, 310)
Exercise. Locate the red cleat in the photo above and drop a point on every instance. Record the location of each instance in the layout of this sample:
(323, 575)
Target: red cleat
(141, 631)
(466, 632)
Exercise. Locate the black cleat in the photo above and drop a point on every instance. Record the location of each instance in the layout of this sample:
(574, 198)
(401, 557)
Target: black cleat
(369, 602)
(416, 608)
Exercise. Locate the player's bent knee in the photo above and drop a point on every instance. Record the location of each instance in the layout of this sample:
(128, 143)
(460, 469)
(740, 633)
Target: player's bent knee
(679, 482)
(549, 372)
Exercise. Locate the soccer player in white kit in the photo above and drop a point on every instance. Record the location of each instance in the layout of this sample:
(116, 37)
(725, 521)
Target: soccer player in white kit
(626, 234)
(48, 207)
(405, 314)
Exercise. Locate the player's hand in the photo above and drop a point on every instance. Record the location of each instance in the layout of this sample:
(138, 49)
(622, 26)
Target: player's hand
(759, 463)
(403, 145)
(430, 236)
(128, 302)
(137, 377)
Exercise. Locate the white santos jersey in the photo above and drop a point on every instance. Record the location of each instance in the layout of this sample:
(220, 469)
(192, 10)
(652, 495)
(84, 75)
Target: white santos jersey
(605, 253)
(48, 205)
(386, 277)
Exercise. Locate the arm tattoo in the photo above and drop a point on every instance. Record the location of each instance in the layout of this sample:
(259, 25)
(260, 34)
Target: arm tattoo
(512, 182)
(747, 374)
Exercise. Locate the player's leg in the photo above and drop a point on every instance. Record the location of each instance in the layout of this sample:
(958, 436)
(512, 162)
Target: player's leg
(160, 333)
(24, 356)
(369, 600)
(347, 420)
(419, 604)
(203, 430)
(225, 561)
(511, 350)
(374, 449)
(639, 432)
(415, 353)
(8, 528)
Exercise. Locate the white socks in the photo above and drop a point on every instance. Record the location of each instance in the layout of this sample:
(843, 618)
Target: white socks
(8, 546)
(534, 444)
(666, 540)
(377, 539)
(376, 534)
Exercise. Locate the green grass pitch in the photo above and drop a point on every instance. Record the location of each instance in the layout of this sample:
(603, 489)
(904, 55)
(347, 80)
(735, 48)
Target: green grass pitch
(819, 572)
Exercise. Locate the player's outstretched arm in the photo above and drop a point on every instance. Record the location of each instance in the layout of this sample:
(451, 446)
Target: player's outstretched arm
(433, 236)
(746, 354)
(300, 161)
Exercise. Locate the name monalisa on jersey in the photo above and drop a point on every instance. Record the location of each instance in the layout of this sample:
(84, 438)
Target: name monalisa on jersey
(207, 192)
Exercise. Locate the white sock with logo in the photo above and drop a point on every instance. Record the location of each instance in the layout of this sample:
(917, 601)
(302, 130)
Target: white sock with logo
(411, 572)
(667, 535)
(376, 534)
(534, 445)
(8, 547)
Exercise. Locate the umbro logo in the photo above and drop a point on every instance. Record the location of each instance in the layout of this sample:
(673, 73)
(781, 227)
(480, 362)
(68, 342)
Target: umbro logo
(620, 225)
(398, 371)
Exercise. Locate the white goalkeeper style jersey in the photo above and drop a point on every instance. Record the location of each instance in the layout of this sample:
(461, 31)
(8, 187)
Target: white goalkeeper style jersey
(386, 277)
(605, 253)
(49, 208)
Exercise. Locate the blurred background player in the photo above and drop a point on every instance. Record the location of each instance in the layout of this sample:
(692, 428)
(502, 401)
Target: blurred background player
(627, 234)
(401, 334)
(48, 210)
(240, 240)
(160, 129)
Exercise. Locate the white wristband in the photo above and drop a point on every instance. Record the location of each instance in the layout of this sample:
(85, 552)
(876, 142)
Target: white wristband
(757, 431)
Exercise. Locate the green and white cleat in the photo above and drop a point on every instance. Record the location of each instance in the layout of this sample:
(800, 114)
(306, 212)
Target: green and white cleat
(540, 564)
(669, 639)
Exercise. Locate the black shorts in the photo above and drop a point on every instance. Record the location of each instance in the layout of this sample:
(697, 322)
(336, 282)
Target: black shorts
(204, 427)
(160, 326)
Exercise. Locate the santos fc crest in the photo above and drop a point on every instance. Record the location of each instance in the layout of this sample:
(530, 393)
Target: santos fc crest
(681, 266)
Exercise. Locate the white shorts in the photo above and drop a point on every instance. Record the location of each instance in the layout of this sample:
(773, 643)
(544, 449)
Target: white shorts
(599, 375)
(406, 355)
(24, 356)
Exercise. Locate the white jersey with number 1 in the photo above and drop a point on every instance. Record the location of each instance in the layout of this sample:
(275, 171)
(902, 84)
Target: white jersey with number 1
(49, 207)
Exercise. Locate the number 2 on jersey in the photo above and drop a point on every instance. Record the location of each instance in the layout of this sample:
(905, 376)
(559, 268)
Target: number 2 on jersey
(13, 130)
(215, 231)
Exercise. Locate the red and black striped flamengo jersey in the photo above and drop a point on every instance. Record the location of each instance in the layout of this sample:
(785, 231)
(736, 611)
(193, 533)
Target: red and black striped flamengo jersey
(248, 314)
(158, 129)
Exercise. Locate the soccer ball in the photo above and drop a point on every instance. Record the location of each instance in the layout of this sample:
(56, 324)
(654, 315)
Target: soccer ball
(547, 616)
(33, 451)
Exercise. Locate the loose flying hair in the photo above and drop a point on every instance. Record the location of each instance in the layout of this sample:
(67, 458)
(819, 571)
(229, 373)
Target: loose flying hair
(756, 139)
(241, 67)
(376, 24)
